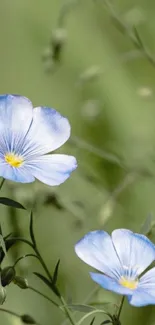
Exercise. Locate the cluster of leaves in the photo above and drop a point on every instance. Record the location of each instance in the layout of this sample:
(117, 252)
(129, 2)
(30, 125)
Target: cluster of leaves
(8, 275)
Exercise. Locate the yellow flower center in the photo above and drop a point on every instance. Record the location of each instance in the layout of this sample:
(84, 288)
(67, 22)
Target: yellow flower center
(130, 284)
(13, 159)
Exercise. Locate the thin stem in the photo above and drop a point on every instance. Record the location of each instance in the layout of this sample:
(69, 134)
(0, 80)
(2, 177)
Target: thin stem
(120, 308)
(43, 263)
(27, 255)
(21, 240)
(14, 314)
(86, 300)
(92, 313)
(43, 295)
(67, 311)
(10, 312)
(134, 35)
(2, 182)
(68, 314)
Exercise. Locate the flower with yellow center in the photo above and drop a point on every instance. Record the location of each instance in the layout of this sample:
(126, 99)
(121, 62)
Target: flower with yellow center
(122, 258)
(27, 135)
(13, 159)
(130, 284)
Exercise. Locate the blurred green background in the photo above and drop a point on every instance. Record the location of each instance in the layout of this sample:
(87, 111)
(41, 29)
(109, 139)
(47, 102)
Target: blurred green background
(77, 57)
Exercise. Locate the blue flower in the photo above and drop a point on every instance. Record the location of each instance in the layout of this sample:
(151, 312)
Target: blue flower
(26, 136)
(122, 257)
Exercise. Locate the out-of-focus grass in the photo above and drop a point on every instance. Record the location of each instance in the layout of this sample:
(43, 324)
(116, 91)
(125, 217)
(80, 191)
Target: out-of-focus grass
(108, 95)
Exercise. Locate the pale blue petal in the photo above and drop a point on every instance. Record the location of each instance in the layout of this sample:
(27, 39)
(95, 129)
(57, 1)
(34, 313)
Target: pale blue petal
(49, 131)
(110, 284)
(97, 250)
(21, 174)
(145, 293)
(52, 169)
(136, 252)
(15, 119)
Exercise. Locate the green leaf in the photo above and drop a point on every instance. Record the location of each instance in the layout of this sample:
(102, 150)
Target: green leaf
(2, 245)
(48, 283)
(99, 303)
(8, 244)
(8, 236)
(106, 322)
(2, 295)
(81, 308)
(1, 230)
(11, 203)
(20, 239)
(92, 321)
(55, 273)
(31, 230)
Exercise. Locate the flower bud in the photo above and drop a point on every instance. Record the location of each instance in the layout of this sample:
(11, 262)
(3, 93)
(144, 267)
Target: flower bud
(7, 275)
(57, 41)
(59, 36)
(26, 319)
(2, 295)
(21, 282)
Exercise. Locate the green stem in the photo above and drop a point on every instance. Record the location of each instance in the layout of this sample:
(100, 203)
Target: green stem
(42, 294)
(21, 240)
(86, 300)
(2, 182)
(92, 313)
(10, 312)
(43, 263)
(31, 288)
(120, 308)
(14, 314)
(67, 311)
(27, 255)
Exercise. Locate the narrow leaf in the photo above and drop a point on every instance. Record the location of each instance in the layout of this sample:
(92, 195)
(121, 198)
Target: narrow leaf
(48, 283)
(2, 244)
(1, 230)
(20, 239)
(92, 321)
(55, 273)
(99, 303)
(81, 308)
(31, 230)
(106, 322)
(11, 203)
(140, 42)
(8, 244)
(7, 236)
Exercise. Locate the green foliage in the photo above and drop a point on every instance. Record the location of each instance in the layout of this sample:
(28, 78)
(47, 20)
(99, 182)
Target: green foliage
(11, 203)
